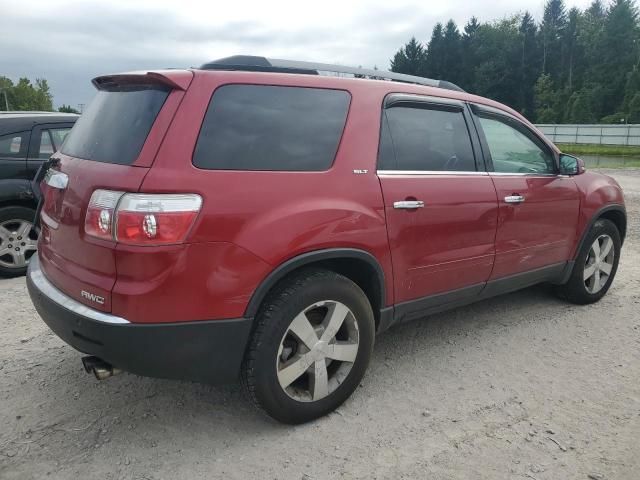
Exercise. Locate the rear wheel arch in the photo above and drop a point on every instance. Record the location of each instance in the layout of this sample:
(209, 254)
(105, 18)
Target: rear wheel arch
(359, 266)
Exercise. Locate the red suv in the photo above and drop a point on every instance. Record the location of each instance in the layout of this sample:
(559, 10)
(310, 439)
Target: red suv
(257, 219)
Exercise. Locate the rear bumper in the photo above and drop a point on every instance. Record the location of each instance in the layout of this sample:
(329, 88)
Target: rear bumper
(205, 351)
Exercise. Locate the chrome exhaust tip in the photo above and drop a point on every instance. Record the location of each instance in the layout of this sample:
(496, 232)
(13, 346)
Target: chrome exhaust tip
(100, 369)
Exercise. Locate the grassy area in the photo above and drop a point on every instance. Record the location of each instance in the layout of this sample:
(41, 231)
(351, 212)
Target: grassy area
(614, 150)
(620, 164)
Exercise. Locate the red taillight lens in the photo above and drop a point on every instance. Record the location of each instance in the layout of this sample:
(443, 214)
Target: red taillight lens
(100, 213)
(161, 228)
(144, 219)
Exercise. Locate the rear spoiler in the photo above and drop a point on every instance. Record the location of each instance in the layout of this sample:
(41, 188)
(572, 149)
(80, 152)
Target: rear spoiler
(174, 79)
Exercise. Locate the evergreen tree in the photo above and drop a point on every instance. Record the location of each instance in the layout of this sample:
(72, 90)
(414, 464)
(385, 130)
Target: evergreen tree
(554, 22)
(451, 47)
(435, 54)
(410, 59)
(469, 54)
(634, 109)
(529, 65)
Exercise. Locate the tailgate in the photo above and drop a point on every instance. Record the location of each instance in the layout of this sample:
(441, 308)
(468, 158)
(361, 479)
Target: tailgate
(111, 147)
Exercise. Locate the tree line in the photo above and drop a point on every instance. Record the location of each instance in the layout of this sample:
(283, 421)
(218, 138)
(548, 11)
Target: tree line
(25, 95)
(573, 66)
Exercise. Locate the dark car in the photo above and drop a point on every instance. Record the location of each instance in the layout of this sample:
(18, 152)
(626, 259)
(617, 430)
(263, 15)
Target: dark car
(26, 140)
(255, 219)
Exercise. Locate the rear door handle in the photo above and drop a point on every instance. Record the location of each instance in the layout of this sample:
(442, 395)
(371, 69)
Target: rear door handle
(408, 204)
(514, 198)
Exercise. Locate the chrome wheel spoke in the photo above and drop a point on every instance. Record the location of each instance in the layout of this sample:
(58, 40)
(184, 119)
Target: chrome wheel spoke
(319, 380)
(606, 268)
(302, 328)
(23, 230)
(596, 280)
(607, 244)
(5, 234)
(343, 351)
(589, 271)
(294, 370)
(337, 313)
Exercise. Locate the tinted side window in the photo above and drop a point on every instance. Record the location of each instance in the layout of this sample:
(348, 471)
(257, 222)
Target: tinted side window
(46, 147)
(59, 135)
(514, 152)
(425, 139)
(261, 127)
(14, 145)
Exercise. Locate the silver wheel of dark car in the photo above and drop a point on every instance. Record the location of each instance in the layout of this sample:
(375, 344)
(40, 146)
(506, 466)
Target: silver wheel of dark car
(317, 351)
(599, 263)
(18, 239)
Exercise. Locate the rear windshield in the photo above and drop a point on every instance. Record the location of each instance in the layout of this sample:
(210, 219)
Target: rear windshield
(263, 127)
(116, 124)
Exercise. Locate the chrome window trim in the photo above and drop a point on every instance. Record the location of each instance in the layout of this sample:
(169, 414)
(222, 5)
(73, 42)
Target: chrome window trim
(45, 287)
(520, 174)
(428, 172)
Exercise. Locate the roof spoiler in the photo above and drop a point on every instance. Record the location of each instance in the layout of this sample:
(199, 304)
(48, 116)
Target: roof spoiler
(174, 79)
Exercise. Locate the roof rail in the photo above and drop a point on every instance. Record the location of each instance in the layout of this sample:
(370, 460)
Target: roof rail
(262, 64)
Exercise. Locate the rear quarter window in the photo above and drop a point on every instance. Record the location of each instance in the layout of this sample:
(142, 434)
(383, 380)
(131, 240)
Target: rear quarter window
(263, 127)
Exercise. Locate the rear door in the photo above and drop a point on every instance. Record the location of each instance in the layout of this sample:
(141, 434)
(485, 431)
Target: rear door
(111, 147)
(46, 139)
(13, 155)
(440, 204)
(538, 206)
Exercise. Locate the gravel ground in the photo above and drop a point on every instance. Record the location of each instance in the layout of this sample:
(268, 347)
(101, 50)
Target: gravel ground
(521, 386)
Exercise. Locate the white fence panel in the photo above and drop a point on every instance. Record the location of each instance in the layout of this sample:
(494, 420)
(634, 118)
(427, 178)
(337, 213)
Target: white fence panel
(593, 134)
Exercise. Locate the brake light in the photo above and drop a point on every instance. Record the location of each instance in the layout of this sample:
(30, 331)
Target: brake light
(99, 219)
(141, 219)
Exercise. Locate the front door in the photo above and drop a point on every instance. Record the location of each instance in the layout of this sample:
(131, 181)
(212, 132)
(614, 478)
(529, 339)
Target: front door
(441, 209)
(539, 208)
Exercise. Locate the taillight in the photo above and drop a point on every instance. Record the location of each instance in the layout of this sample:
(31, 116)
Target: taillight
(142, 219)
(100, 213)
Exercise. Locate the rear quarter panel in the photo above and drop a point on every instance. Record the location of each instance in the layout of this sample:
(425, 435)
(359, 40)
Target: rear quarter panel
(275, 216)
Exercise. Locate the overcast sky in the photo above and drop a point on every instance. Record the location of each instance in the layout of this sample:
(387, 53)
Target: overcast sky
(70, 42)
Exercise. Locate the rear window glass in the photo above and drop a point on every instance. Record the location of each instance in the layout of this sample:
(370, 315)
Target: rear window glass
(262, 127)
(114, 127)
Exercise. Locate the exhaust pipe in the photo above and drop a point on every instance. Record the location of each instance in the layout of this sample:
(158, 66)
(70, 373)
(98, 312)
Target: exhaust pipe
(99, 368)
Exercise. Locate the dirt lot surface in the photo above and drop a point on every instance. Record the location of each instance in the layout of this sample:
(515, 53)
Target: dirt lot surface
(522, 386)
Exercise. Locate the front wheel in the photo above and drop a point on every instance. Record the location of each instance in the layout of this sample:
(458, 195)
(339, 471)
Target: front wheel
(595, 266)
(311, 346)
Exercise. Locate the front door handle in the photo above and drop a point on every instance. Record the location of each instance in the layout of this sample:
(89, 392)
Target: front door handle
(515, 198)
(408, 204)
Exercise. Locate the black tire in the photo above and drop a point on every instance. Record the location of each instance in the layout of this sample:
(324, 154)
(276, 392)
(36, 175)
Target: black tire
(10, 215)
(575, 290)
(290, 298)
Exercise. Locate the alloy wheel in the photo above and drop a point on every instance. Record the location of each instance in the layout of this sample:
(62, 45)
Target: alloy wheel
(599, 264)
(317, 351)
(18, 242)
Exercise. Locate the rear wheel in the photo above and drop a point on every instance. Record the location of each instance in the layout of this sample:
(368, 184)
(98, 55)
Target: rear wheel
(595, 266)
(18, 240)
(311, 346)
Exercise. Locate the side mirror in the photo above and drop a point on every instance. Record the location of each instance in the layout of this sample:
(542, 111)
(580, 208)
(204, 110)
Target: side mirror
(570, 165)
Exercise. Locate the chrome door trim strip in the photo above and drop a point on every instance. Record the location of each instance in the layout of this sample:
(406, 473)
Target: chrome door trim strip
(426, 172)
